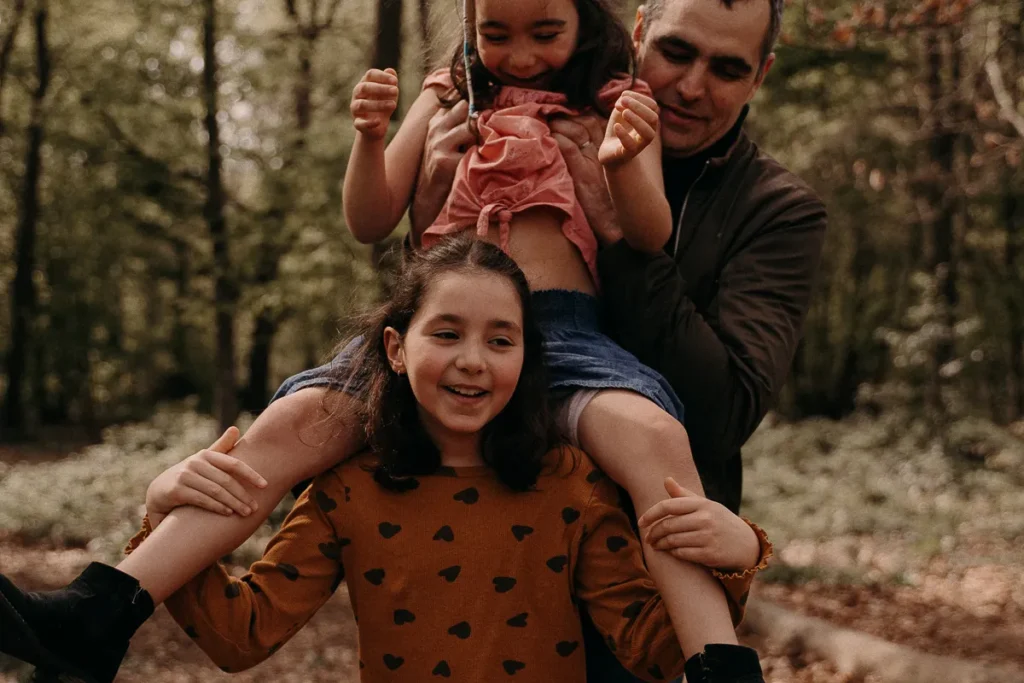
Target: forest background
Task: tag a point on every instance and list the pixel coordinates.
(172, 247)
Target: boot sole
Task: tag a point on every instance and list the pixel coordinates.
(20, 642)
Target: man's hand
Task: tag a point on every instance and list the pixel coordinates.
(696, 529)
(448, 139)
(579, 139)
(210, 479)
(632, 127)
(374, 100)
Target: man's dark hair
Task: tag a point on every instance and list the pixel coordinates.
(604, 53)
(654, 8)
(514, 443)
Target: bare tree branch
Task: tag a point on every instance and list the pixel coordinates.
(1007, 107)
(6, 48)
(332, 12)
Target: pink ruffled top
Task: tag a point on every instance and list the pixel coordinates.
(517, 166)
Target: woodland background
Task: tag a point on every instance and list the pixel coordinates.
(172, 247)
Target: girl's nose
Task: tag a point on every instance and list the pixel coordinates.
(470, 359)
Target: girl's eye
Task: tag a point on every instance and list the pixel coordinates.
(445, 334)
(502, 341)
(545, 37)
(495, 40)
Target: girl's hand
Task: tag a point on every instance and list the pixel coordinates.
(633, 125)
(699, 530)
(374, 100)
(209, 479)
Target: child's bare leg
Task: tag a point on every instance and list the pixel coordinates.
(293, 440)
(638, 444)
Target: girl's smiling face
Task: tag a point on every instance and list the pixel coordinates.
(462, 353)
(526, 42)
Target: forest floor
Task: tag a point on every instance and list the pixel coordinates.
(856, 546)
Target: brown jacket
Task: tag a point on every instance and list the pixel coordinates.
(719, 312)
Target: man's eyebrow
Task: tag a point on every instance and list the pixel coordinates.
(729, 61)
(737, 63)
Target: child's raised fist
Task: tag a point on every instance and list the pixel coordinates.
(374, 100)
(632, 126)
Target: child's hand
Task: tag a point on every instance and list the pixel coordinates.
(699, 530)
(374, 100)
(209, 479)
(633, 125)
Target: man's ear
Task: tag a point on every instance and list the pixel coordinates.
(393, 347)
(638, 27)
(769, 60)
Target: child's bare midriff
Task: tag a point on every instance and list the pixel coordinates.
(544, 253)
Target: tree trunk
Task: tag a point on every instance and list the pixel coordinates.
(6, 48)
(1013, 222)
(225, 295)
(387, 51)
(941, 153)
(23, 291)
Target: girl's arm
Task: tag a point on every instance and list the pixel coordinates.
(378, 183)
(621, 598)
(240, 622)
(631, 155)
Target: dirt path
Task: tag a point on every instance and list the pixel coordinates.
(934, 617)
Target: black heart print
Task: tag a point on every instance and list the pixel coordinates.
(557, 563)
(442, 669)
(388, 530)
(616, 543)
(290, 572)
(450, 573)
(460, 630)
(520, 531)
(404, 616)
(325, 502)
(511, 666)
(467, 496)
(566, 647)
(445, 533)
(375, 576)
(570, 515)
(519, 620)
(503, 584)
(392, 662)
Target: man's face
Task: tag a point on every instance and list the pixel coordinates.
(702, 60)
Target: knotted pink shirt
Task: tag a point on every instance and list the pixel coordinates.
(517, 166)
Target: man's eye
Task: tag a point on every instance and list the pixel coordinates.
(729, 74)
(678, 57)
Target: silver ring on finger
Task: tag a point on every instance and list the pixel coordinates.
(585, 145)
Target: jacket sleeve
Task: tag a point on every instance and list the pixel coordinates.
(727, 374)
(240, 622)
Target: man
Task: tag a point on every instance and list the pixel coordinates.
(719, 312)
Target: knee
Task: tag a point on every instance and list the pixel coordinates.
(665, 445)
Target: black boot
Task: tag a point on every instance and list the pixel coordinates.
(724, 664)
(81, 631)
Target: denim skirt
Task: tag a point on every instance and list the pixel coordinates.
(577, 353)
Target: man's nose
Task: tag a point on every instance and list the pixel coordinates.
(692, 85)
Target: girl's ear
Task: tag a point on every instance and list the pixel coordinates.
(393, 347)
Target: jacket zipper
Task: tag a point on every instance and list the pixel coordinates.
(682, 211)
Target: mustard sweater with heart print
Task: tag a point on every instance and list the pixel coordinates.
(459, 578)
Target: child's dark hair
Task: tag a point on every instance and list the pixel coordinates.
(514, 443)
(604, 53)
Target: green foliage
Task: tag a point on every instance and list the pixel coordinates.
(97, 497)
(822, 479)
